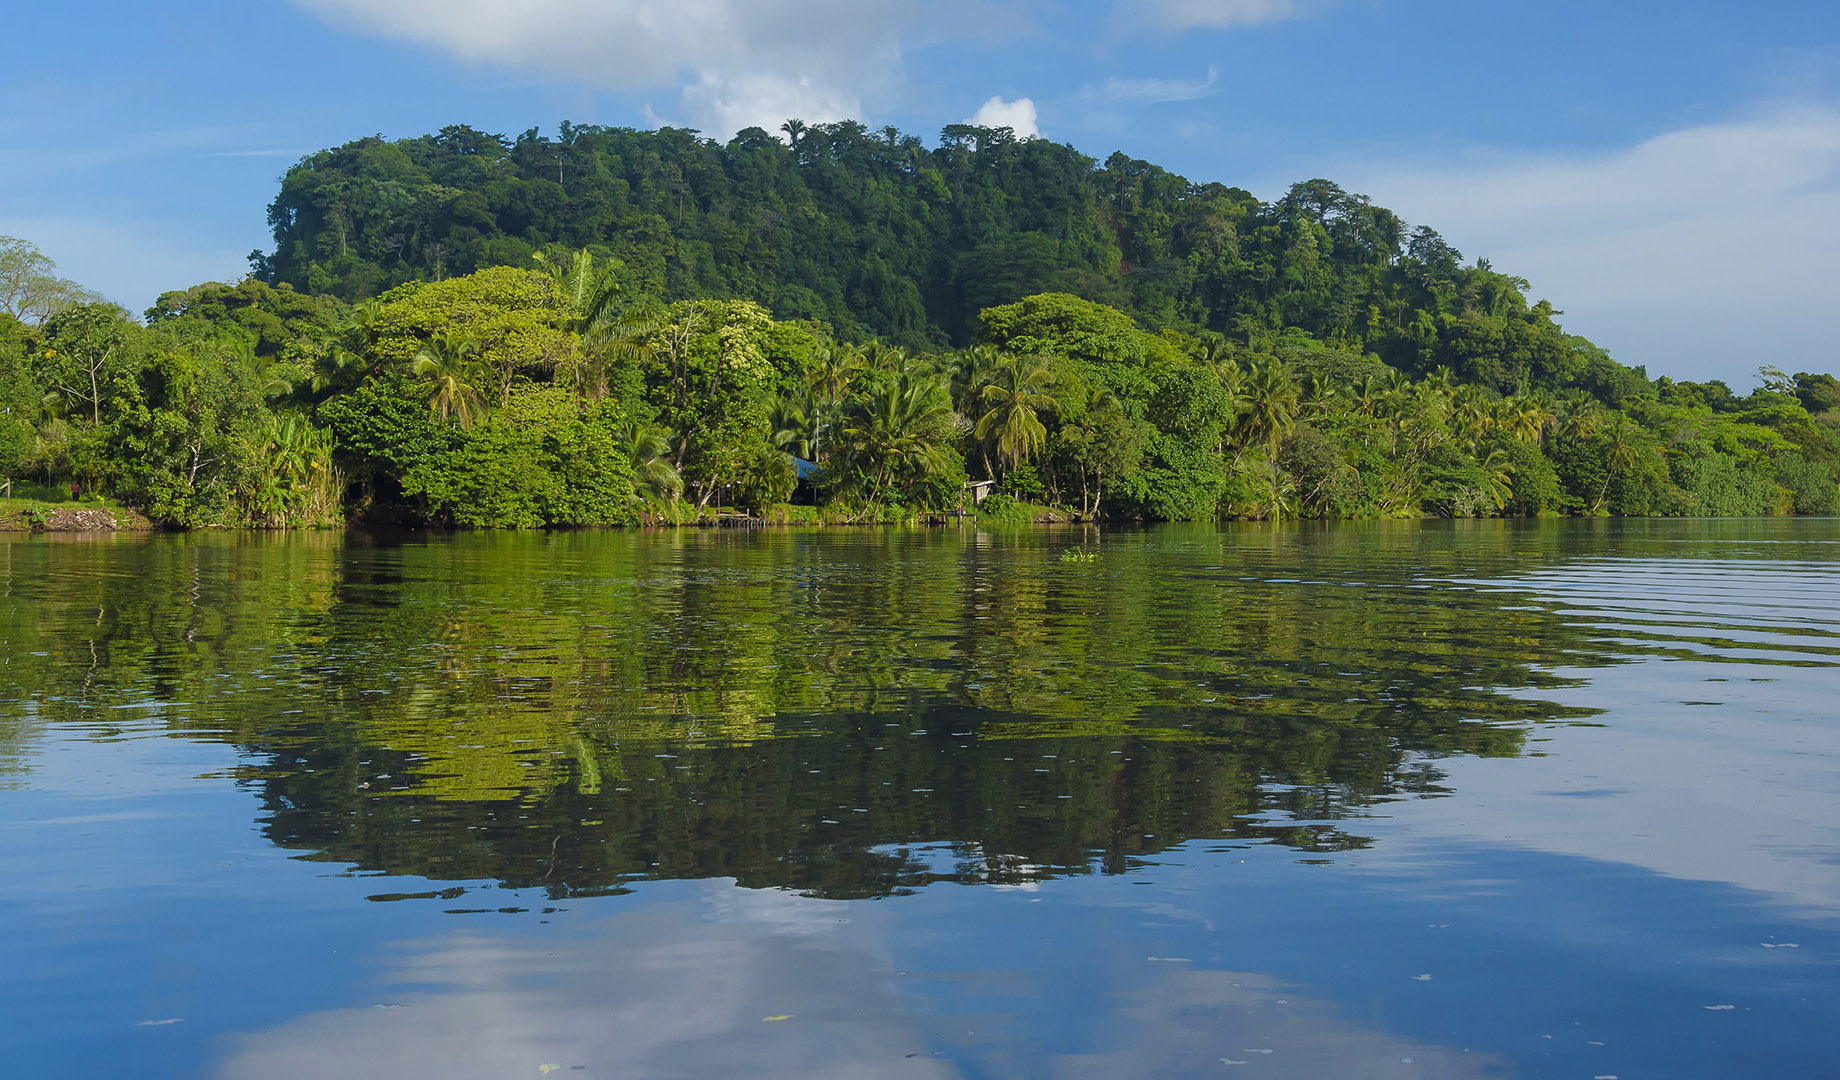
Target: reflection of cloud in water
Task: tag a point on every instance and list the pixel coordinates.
(687, 987)
(1184, 1022)
(669, 989)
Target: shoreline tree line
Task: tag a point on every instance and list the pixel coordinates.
(616, 326)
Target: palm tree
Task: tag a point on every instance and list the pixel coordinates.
(1320, 396)
(1497, 478)
(791, 422)
(1368, 394)
(1212, 351)
(589, 299)
(899, 433)
(833, 369)
(1523, 418)
(1474, 418)
(1279, 495)
(1014, 394)
(1618, 457)
(1271, 405)
(350, 359)
(1581, 418)
(585, 292)
(645, 449)
(447, 361)
(887, 359)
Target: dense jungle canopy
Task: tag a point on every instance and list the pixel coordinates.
(614, 325)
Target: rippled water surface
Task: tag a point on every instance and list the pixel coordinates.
(1368, 800)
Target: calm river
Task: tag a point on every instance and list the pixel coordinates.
(1543, 799)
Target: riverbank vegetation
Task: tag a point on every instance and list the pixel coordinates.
(616, 327)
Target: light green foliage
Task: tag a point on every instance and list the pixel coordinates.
(546, 458)
(30, 290)
(294, 480)
(708, 378)
(91, 352)
(511, 316)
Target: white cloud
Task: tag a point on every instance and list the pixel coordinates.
(1702, 253)
(728, 104)
(1150, 91)
(1018, 115)
(736, 62)
(1216, 14)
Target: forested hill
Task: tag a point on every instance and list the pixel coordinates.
(617, 326)
(880, 236)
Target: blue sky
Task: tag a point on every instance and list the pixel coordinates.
(1667, 173)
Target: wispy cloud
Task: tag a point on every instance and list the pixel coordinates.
(127, 146)
(1218, 14)
(1116, 91)
(277, 152)
(1704, 252)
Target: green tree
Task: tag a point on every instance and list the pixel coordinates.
(30, 289)
(898, 436)
(1014, 396)
(1271, 406)
(89, 351)
(447, 363)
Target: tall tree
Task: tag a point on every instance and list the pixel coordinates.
(1014, 396)
(449, 363)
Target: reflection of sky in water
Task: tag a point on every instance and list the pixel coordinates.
(693, 979)
(1655, 892)
(1718, 757)
(1539, 961)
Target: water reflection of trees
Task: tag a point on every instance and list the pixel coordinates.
(817, 710)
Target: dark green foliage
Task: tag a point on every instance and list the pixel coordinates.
(185, 434)
(877, 235)
(1817, 393)
(1327, 484)
(21, 400)
(384, 429)
(1811, 486)
(1534, 488)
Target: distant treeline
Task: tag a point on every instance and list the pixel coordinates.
(618, 325)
